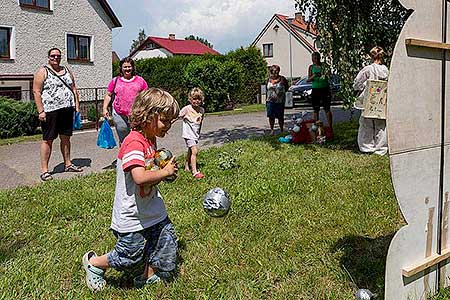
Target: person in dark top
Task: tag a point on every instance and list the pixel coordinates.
(320, 89)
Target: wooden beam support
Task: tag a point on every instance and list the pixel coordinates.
(426, 263)
(427, 44)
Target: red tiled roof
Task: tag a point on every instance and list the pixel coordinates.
(295, 25)
(301, 24)
(174, 46)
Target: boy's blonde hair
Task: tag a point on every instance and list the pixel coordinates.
(377, 53)
(152, 102)
(196, 93)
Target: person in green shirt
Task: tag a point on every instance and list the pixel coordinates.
(320, 89)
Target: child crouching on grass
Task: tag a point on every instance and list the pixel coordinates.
(192, 116)
(145, 235)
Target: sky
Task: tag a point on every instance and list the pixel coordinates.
(227, 24)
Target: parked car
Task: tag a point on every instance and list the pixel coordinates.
(301, 90)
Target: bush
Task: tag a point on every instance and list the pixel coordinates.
(17, 118)
(92, 114)
(166, 73)
(235, 76)
(219, 81)
(254, 72)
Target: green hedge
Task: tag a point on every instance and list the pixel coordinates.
(234, 77)
(219, 81)
(17, 118)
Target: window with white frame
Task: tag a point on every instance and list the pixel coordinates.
(7, 43)
(79, 47)
(40, 4)
(268, 50)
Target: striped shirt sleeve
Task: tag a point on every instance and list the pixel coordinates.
(133, 156)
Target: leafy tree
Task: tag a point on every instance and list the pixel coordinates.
(201, 40)
(141, 38)
(254, 72)
(348, 29)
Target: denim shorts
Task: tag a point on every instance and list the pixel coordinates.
(155, 246)
(275, 110)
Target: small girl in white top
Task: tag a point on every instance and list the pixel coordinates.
(192, 116)
(372, 136)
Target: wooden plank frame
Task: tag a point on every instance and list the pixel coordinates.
(426, 263)
(427, 44)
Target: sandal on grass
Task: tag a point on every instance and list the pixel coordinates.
(141, 281)
(94, 275)
(198, 175)
(46, 176)
(72, 168)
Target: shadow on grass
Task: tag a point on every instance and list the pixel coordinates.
(365, 259)
(345, 137)
(8, 249)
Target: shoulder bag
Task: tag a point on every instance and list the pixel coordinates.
(57, 76)
(113, 93)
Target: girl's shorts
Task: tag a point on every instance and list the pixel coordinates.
(155, 246)
(191, 143)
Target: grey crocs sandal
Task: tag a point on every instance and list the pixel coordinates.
(141, 281)
(94, 275)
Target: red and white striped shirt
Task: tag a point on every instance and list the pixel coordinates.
(136, 207)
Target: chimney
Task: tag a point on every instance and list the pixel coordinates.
(299, 18)
(172, 36)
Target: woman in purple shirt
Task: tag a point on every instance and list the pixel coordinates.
(125, 88)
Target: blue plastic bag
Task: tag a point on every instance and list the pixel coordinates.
(105, 138)
(77, 121)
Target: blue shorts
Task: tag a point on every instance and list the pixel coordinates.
(275, 110)
(156, 246)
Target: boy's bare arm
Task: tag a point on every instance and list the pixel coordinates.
(142, 176)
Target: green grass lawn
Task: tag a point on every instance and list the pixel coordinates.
(301, 216)
(20, 139)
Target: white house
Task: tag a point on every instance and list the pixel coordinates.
(167, 47)
(82, 29)
(289, 43)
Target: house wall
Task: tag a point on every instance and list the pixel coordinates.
(301, 56)
(161, 52)
(36, 31)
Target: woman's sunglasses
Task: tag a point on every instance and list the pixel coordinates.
(55, 56)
